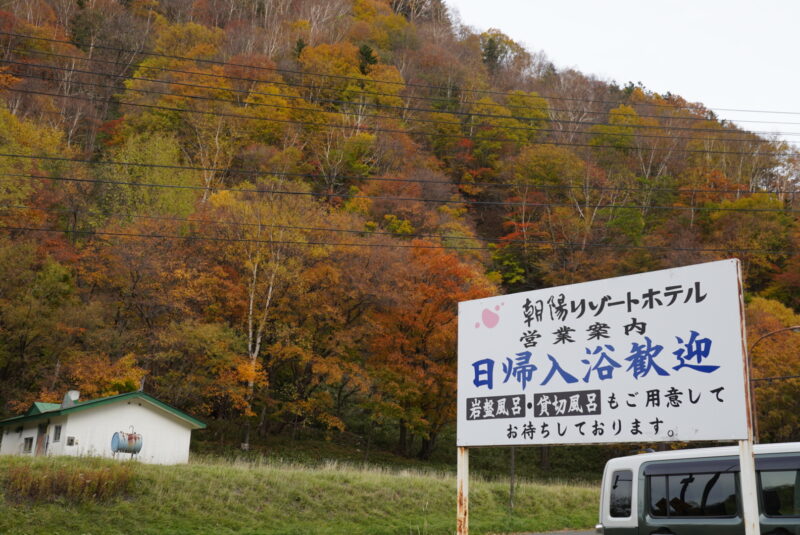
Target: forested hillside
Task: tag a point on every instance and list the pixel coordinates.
(265, 211)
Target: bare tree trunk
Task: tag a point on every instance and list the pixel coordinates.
(544, 458)
(402, 441)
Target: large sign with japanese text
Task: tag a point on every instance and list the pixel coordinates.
(650, 357)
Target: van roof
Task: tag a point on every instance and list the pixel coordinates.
(634, 461)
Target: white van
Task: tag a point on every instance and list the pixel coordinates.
(689, 492)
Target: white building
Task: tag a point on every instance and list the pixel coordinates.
(131, 425)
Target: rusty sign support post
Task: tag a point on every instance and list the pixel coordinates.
(747, 465)
(747, 475)
(462, 482)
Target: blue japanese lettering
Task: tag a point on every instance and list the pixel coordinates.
(483, 370)
(642, 359)
(695, 348)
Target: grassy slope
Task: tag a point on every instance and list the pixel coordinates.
(272, 498)
(584, 462)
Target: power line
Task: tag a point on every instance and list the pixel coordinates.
(398, 131)
(386, 106)
(354, 78)
(426, 246)
(382, 179)
(501, 242)
(406, 119)
(235, 240)
(522, 185)
(360, 80)
(531, 129)
(770, 379)
(376, 104)
(294, 108)
(255, 225)
(530, 204)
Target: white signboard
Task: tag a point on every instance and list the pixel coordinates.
(644, 358)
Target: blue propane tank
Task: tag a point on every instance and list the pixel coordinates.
(123, 442)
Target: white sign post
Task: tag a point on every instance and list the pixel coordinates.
(652, 357)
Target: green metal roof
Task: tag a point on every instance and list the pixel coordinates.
(40, 409)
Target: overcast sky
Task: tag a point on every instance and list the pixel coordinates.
(727, 54)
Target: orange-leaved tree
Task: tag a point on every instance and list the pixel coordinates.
(415, 340)
(775, 367)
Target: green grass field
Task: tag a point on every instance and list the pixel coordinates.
(270, 497)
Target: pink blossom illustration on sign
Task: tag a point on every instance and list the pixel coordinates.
(488, 318)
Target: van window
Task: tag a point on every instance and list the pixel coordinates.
(780, 492)
(620, 502)
(658, 495)
(687, 495)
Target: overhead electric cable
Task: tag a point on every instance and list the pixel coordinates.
(387, 106)
(532, 129)
(363, 231)
(251, 172)
(236, 240)
(354, 78)
(781, 378)
(389, 130)
(403, 246)
(531, 204)
(501, 242)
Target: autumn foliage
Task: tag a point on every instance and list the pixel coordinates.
(265, 213)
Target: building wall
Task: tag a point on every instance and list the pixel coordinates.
(56, 447)
(13, 440)
(165, 438)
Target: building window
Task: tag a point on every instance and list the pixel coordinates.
(27, 446)
(780, 492)
(693, 495)
(70, 441)
(57, 433)
(620, 506)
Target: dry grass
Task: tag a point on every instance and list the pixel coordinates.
(69, 483)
